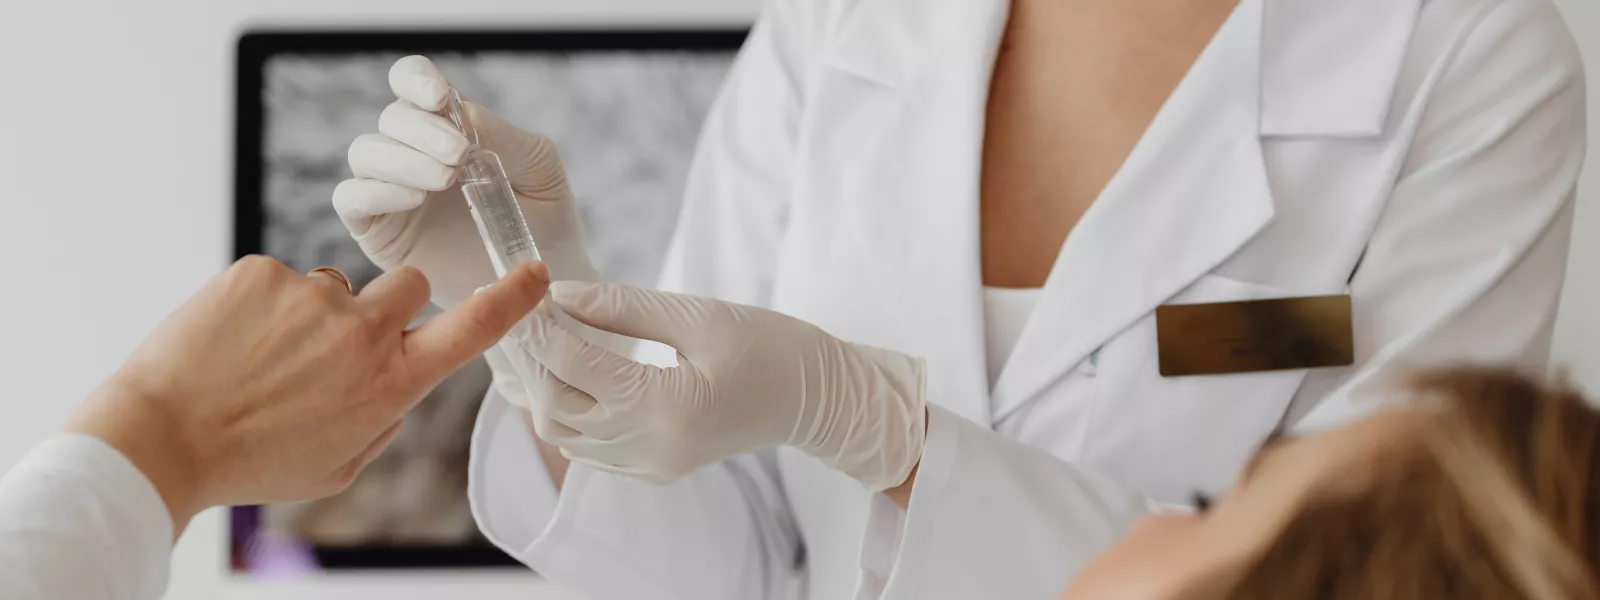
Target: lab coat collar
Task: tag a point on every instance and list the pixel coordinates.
(882, 41)
(1193, 191)
(1190, 195)
(1327, 68)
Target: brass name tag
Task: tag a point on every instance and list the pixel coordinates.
(1254, 335)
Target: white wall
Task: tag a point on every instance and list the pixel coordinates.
(115, 158)
(1577, 345)
(114, 204)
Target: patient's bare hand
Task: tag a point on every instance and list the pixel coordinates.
(270, 386)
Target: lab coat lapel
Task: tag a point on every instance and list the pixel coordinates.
(1192, 192)
(910, 83)
(1330, 68)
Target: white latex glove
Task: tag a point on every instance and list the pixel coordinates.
(746, 378)
(404, 208)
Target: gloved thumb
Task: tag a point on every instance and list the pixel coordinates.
(673, 319)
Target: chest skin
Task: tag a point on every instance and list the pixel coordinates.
(1075, 85)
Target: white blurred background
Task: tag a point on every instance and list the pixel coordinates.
(115, 204)
(115, 164)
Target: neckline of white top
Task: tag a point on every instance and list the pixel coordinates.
(1005, 315)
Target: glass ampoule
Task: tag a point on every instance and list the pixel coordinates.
(494, 206)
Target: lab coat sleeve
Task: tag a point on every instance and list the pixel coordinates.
(1466, 263)
(79, 521)
(991, 517)
(725, 531)
(717, 533)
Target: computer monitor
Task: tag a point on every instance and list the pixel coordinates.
(624, 107)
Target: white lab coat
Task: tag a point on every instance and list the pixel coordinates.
(1419, 155)
(78, 521)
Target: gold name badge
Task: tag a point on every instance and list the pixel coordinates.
(1254, 335)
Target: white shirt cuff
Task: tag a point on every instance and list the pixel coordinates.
(93, 524)
(886, 522)
(515, 504)
(508, 486)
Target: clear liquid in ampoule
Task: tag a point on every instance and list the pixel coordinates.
(499, 218)
(494, 206)
(495, 210)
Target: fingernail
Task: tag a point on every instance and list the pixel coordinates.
(540, 270)
(480, 290)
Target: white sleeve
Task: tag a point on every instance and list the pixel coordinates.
(725, 531)
(78, 521)
(1466, 264)
(990, 517)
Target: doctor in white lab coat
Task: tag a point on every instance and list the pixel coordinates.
(877, 168)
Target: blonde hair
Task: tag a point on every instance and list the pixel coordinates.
(1497, 500)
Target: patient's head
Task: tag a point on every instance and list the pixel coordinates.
(1485, 486)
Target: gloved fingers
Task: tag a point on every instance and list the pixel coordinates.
(531, 159)
(581, 448)
(359, 201)
(428, 133)
(553, 431)
(374, 156)
(598, 465)
(599, 455)
(417, 80)
(623, 457)
(672, 319)
(603, 375)
(537, 401)
(572, 407)
(539, 390)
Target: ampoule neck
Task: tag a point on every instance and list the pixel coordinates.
(457, 111)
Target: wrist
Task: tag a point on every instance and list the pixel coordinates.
(883, 445)
(137, 426)
(900, 495)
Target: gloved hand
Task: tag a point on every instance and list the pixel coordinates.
(746, 378)
(404, 208)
